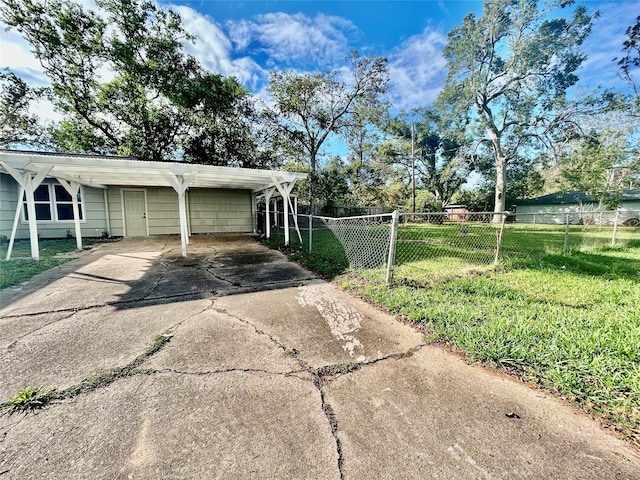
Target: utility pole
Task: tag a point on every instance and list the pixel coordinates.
(413, 167)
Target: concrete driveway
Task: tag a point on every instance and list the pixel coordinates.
(264, 372)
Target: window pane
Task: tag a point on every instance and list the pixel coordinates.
(41, 194)
(43, 211)
(61, 194)
(65, 211)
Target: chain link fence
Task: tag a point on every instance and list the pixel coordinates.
(444, 244)
(420, 247)
(569, 231)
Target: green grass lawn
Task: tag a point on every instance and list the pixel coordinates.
(567, 322)
(21, 267)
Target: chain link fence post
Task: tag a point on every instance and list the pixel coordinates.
(310, 233)
(566, 235)
(499, 236)
(393, 237)
(615, 228)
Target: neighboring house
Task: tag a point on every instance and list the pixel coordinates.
(116, 196)
(457, 213)
(555, 207)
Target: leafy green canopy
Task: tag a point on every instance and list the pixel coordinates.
(509, 71)
(17, 124)
(121, 77)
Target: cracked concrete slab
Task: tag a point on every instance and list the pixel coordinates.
(269, 373)
(323, 324)
(63, 353)
(213, 341)
(177, 426)
(431, 415)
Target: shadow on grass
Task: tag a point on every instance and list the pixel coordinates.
(607, 262)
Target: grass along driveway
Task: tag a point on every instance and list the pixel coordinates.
(569, 323)
(22, 267)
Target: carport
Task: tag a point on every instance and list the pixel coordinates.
(30, 169)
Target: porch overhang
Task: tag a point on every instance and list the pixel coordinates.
(30, 168)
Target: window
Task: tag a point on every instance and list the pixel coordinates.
(52, 202)
(64, 203)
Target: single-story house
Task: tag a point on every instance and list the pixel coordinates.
(53, 195)
(554, 208)
(456, 213)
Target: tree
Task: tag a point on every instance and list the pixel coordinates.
(631, 59)
(509, 71)
(424, 153)
(310, 107)
(121, 78)
(602, 165)
(17, 125)
(332, 185)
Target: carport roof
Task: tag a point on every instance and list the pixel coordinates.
(101, 171)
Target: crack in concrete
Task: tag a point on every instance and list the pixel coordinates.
(201, 295)
(288, 351)
(293, 373)
(14, 344)
(333, 424)
(161, 275)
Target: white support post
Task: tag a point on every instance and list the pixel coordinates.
(295, 217)
(16, 218)
(286, 220)
(31, 213)
(180, 184)
(73, 188)
(29, 184)
(268, 193)
(254, 213)
(106, 212)
(285, 190)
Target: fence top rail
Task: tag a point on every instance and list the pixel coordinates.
(352, 218)
(577, 212)
(456, 213)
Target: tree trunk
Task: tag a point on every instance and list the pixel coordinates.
(501, 176)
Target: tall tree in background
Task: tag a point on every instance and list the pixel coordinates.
(308, 108)
(17, 125)
(121, 78)
(438, 167)
(631, 58)
(603, 165)
(509, 71)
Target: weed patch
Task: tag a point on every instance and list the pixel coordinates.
(34, 398)
(28, 399)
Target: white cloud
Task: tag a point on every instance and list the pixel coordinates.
(214, 49)
(605, 43)
(417, 70)
(284, 38)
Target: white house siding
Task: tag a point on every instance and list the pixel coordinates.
(210, 211)
(93, 224)
(8, 198)
(220, 211)
(163, 216)
(557, 213)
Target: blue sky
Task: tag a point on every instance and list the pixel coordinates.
(248, 38)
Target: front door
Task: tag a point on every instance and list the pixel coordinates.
(135, 215)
